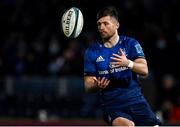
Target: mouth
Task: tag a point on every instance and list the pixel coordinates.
(103, 33)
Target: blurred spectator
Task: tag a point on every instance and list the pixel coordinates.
(170, 99)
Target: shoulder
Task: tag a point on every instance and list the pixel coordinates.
(129, 40)
(94, 46)
(92, 49)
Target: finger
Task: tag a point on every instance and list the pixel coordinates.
(116, 55)
(115, 63)
(94, 78)
(102, 80)
(99, 81)
(99, 78)
(116, 59)
(103, 86)
(122, 52)
(106, 83)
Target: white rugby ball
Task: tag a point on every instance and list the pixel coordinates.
(72, 22)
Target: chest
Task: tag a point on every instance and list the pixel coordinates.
(103, 57)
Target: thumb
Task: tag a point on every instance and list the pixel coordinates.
(94, 78)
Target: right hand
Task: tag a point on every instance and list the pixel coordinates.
(102, 82)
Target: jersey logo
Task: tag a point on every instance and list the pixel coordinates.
(138, 48)
(100, 59)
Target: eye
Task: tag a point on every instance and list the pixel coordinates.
(98, 23)
(105, 23)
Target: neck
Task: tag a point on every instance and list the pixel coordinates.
(111, 42)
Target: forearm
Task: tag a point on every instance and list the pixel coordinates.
(140, 67)
(90, 84)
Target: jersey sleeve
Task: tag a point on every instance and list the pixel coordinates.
(136, 50)
(89, 63)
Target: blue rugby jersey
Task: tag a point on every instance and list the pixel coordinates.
(124, 88)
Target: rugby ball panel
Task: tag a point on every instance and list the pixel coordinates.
(79, 23)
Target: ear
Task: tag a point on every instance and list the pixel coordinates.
(117, 25)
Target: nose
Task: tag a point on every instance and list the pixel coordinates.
(101, 27)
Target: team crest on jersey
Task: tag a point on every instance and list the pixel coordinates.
(100, 59)
(138, 48)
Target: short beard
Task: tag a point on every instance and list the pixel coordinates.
(105, 39)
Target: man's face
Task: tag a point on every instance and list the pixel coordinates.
(107, 26)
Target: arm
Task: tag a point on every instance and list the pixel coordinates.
(139, 65)
(90, 83)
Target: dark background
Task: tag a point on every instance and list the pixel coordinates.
(41, 71)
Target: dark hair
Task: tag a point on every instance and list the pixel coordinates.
(108, 11)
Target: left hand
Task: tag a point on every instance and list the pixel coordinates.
(102, 82)
(120, 60)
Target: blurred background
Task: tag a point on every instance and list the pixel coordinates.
(41, 71)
